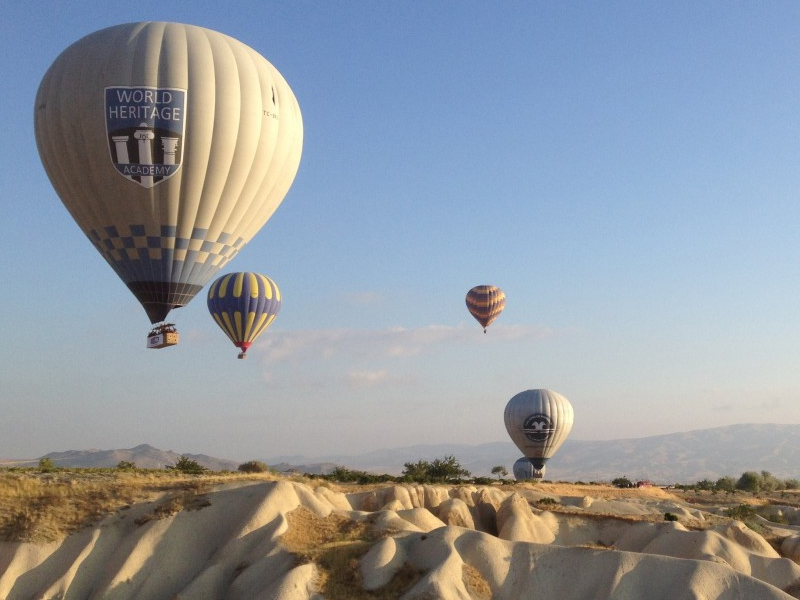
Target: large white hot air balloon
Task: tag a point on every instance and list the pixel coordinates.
(538, 422)
(171, 145)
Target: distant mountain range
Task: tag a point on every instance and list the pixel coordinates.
(674, 458)
(143, 456)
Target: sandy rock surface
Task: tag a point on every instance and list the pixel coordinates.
(280, 540)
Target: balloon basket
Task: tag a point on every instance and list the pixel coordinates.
(162, 336)
(242, 355)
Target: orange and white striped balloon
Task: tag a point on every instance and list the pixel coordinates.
(485, 303)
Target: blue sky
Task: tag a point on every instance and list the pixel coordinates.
(627, 172)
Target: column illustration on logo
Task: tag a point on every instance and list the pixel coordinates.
(145, 127)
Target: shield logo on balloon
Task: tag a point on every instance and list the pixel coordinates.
(145, 128)
(538, 428)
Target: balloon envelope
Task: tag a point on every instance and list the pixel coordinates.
(171, 145)
(244, 305)
(485, 303)
(524, 469)
(538, 422)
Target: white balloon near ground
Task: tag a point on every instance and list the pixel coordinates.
(538, 422)
(524, 470)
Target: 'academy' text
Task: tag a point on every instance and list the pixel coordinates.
(152, 170)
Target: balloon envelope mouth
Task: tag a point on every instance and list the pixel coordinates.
(538, 463)
(160, 297)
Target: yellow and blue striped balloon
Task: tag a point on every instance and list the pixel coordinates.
(485, 303)
(244, 306)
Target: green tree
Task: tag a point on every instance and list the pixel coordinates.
(750, 481)
(447, 469)
(417, 471)
(438, 470)
(622, 482)
(770, 483)
(500, 471)
(725, 484)
(344, 474)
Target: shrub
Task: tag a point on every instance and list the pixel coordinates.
(125, 465)
(187, 465)
(46, 465)
(484, 481)
(743, 512)
(668, 516)
(253, 466)
(705, 484)
(747, 515)
(345, 475)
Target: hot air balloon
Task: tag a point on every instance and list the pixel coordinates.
(538, 422)
(244, 305)
(171, 145)
(524, 470)
(485, 303)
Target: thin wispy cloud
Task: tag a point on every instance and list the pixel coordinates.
(751, 401)
(365, 298)
(394, 342)
(362, 379)
(361, 359)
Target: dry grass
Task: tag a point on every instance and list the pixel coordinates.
(44, 507)
(476, 584)
(699, 498)
(706, 498)
(335, 545)
(708, 522)
(608, 492)
(189, 498)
